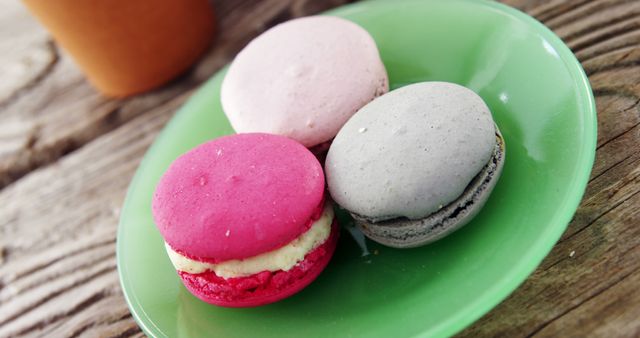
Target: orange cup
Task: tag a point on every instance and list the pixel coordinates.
(126, 47)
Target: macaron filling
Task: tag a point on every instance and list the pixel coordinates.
(266, 286)
(283, 258)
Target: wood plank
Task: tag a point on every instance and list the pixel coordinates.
(57, 270)
(622, 313)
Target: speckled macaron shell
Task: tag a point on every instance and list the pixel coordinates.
(407, 233)
(238, 196)
(410, 152)
(303, 79)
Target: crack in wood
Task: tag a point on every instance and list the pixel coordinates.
(616, 47)
(617, 43)
(608, 210)
(80, 330)
(103, 318)
(562, 8)
(34, 158)
(282, 15)
(585, 61)
(59, 274)
(78, 308)
(623, 92)
(55, 294)
(121, 318)
(625, 55)
(610, 167)
(627, 18)
(51, 260)
(618, 136)
(46, 71)
(565, 258)
(582, 12)
(631, 106)
(573, 307)
(128, 333)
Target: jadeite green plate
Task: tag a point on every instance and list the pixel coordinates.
(542, 102)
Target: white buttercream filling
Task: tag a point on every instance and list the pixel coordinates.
(283, 258)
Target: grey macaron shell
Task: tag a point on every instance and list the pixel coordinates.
(417, 163)
(410, 152)
(406, 233)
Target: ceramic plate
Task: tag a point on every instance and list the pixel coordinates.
(539, 97)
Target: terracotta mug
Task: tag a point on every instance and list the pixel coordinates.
(128, 46)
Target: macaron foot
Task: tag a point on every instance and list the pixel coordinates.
(265, 287)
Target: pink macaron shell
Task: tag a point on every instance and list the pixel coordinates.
(264, 287)
(303, 79)
(238, 196)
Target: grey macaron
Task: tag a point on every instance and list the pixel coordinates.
(416, 164)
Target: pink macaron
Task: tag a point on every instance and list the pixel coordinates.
(303, 79)
(245, 219)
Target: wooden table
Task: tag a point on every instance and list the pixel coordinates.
(67, 155)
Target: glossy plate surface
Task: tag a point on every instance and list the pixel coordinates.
(542, 102)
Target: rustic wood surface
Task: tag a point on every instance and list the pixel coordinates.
(67, 155)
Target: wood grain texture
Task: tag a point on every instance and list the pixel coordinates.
(68, 154)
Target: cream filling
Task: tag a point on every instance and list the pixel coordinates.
(283, 258)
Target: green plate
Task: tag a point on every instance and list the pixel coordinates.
(540, 98)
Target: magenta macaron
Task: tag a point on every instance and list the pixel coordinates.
(245, 219)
